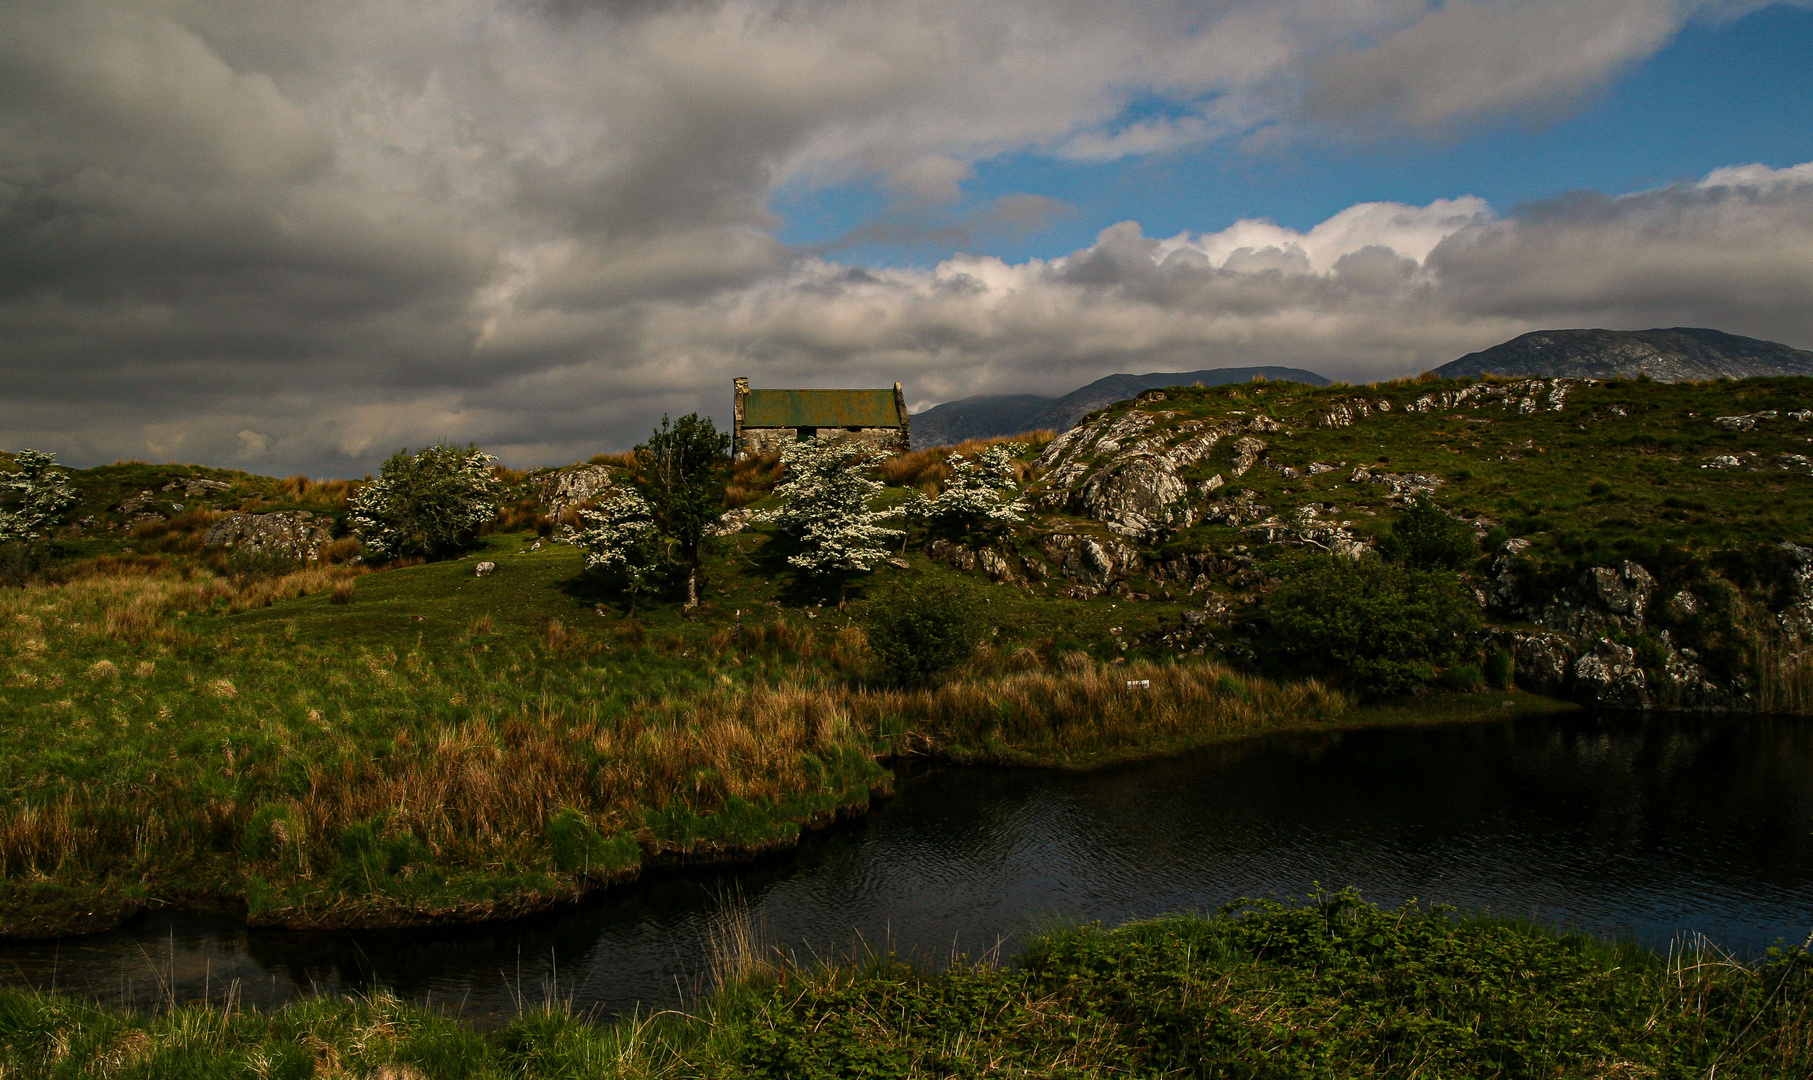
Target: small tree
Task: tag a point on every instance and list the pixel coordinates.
(622, 541)
(430, 503)
(680, 471)
(38, 492)
(918, 632)
(825, 508)
(1427, 537)
(982, 490)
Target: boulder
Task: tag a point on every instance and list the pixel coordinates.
(731, 522)
(484, 569)
(1544, 661)
(1247, 451)
(996, 566)
(1625, 590)
(1609, 676)
(290, 534)
(1088, 560)
(1140, 498)
(571, 487)
(195, 488)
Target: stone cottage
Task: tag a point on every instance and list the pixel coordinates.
(766, 420)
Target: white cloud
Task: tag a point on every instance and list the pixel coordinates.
(346, 226)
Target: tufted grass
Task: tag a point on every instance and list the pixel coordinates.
(1330, 987)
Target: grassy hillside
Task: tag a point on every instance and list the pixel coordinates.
(1622, 467)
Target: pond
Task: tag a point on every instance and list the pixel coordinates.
(1652, 827)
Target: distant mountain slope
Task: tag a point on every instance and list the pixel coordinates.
(988, 415)
(1676, 354)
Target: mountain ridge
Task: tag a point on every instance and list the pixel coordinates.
(988, 415)
(1667, 354)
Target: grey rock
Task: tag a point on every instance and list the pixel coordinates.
(957, 555)
(1543, 661)
(291, 534)
(195, 488)
(996, 566)
(1625, 590)
(484, 569)
(1609, 676)
(1305, 528)
(1088, 560)
(899, 563)
(571, 487)
(1683, 606)
(1747, 422)
(1140, 498)
(1247, 451)
(1723, 461)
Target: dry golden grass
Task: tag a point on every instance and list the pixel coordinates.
(927, 469)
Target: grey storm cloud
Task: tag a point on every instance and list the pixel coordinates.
(297, 235)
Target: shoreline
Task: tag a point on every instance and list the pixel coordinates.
(1301, 985)
(1430, 710)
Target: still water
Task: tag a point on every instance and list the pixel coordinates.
(1650, 827)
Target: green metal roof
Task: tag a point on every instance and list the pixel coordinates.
(820, 408)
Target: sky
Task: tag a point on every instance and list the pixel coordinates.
(297, 236)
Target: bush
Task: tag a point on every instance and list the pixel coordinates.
(1428, 538)
(1501, 669)
(920, 631)
(428, 504)
(1381, 628)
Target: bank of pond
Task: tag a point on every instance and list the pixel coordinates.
(1328, 987)
(1645, 879)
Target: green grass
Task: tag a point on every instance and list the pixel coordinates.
(1332, 988)
(1616, 473)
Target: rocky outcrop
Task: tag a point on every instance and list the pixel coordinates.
(195, 488)
(289, 534)
(572, 487)
(1092, 562)
(1123, 474)
(1399, 485)
(1308, 529)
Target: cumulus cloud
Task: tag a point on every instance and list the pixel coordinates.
(300, 234)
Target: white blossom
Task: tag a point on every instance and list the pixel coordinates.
(982, 489)
(40, 491)
(621, 539)
(825, 506)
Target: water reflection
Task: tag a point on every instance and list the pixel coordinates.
(1645, 826)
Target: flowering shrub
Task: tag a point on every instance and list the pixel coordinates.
(825, 507)
(621, 539)
(430, 503)
(982, 489)
(39, 492)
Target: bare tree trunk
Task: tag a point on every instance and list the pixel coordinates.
(692, 588)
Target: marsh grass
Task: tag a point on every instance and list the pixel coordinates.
(1328, 987)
